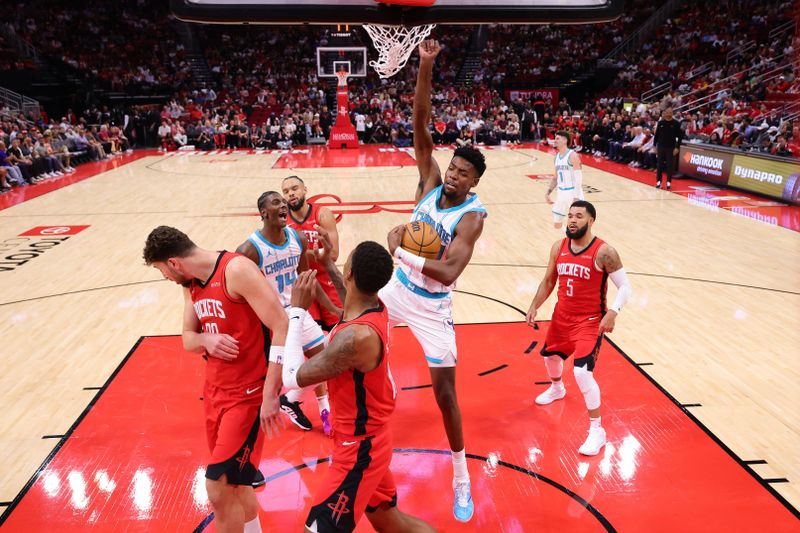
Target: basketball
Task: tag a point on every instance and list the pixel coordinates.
(421, 239)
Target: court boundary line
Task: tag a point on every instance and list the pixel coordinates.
(763, 482)
(50, 456)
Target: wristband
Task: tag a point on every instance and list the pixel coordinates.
(276, 354)
(415, 262)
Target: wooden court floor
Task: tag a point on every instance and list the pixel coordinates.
(716, 309)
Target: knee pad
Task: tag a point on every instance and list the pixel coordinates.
(588, 386)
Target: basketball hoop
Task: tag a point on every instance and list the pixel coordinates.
(394, 45)
(342, 75)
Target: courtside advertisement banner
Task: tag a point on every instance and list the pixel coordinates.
(705, 164)
(549, 96)
(776, 179)
(770, 178)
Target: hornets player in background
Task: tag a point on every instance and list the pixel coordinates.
(419, 293)
(568, 179)
(280, 253)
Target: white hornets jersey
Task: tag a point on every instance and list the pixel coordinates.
(566, 178)
(444, 221)
(279, 263)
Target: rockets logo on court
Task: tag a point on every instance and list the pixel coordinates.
(340, 507)
(244, 459)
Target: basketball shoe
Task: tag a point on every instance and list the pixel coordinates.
(594, 442)
(555, 391)
(463, 508)
(325, 416)
(295, 414)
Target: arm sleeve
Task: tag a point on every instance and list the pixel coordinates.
(624, 289)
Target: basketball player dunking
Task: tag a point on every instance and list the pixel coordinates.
(303, 216)
(568, 179)
(280, 253)
(226, 303)
(356, 366)
(582, 264)
(420, 291)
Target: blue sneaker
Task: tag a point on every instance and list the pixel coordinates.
(463, 508)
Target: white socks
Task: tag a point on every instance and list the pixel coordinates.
(253, 526)
(294, 395)
(460, 472)
(322, 403)
(594, 423)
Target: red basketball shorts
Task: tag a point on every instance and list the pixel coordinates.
(577, 336)
(233, 432)
(358, 480)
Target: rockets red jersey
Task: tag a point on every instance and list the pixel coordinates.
(362, 402)
(307, 226)
(581, 286)
(219, 313)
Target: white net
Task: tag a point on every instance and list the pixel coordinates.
(394, 45)
(342, 75)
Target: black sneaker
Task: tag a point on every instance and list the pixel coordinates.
(669, 185)
(296, 416)
(658, 185)
(259, 479)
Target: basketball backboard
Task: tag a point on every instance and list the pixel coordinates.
(372, 12)
(332, 59)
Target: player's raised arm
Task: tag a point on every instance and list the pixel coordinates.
(430, 176)
(547, 284)
(328, 222)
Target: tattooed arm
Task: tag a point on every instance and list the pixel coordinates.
(355, 347)
(608, 260)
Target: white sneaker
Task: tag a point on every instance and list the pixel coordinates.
(554, 392)
(594, 442)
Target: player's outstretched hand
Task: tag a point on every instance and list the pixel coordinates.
(530, 318)
(429, 49)
(304, 289)
(395, 237)
(608, 322)
(325, 244)
(221, 345)
(270, 416)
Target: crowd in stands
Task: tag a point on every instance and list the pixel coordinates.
(543, 55)
(34, 152)
(259, 99)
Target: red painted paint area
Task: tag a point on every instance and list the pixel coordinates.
(136, 461)
(702, 193)
(82, 172)
(369, 155)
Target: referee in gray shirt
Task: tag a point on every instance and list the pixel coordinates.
(667, 142)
